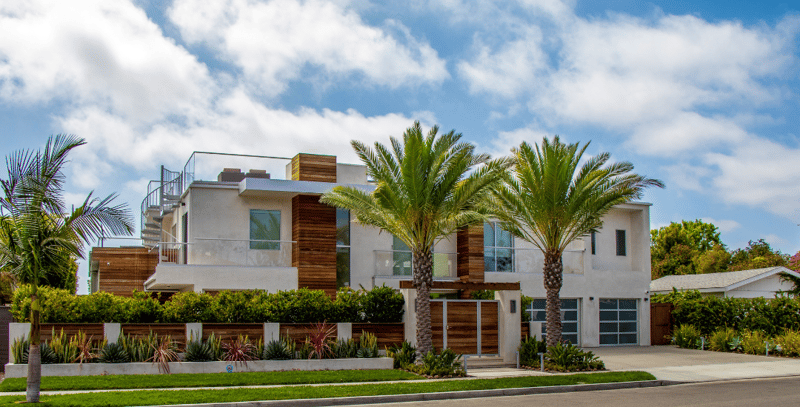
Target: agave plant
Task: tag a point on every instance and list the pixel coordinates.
(202, 351)
(114, 353)
(277, 350)
(344, 348)
(239, 350)
(84, 346)
(368, 346)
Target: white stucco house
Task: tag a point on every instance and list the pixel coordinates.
(763, 282)
(217, 227)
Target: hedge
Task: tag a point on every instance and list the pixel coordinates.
(381, 304)
(709, 314)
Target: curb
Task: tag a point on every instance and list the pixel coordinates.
(453, 395)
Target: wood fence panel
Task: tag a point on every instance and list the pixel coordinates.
(490, 343)
(91, 330)
(388, 334)
(229, 332)
(299, 332)
(660, 323)
(177, 332)
(526, 329)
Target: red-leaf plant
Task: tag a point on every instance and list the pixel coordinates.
(320, 336)
(239, 350)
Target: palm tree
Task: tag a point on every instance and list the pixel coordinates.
(547, 203)
(39, 232)
(425, 191)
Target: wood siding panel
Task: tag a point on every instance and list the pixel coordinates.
(123, 269)
(437, 326)
(299, 332)
(177, 332)
(462, 322)
(469, 264)
(388, 334)
(489, 328)
(312, 167)
(230, 332)
(314, 251)
(91, 330)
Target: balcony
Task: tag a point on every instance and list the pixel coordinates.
(532, 261)
(228, 252)
(396, 263)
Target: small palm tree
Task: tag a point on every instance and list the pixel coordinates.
(425, 191)
(38, 232)
(550, 202)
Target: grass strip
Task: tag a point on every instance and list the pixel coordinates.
(153, 397)
(208, 379)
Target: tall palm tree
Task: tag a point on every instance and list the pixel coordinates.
(427, 187)
(40, 232)
(550, 202)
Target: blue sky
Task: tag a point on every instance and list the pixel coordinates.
(702, 96)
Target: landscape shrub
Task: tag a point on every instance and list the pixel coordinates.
(529, 350)
(724, 340)
(445, 364)
(403, 355)
(756, 343)
(381, 304)
(570, 358)
(789, 341)
(686, 336)
(709, 314)
(367, 345)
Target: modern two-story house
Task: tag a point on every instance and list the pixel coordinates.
(223, 225)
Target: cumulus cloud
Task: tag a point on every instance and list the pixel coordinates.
(274, 42)
(724, 225)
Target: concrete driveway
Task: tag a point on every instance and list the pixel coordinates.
(688, 365)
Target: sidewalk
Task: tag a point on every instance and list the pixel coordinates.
(691, 365)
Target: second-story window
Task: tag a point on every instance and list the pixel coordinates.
(621, 248)
(594, 242)
(401, 256)
(265, 230)
(342, 248)
(497, 248)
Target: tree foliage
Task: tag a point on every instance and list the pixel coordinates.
(756, 255)
(682, 247)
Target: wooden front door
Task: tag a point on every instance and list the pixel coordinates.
(660, 323)
(467, 327)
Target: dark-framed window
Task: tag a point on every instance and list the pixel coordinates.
(265, 229)
(621, 247)
(594, 242)
(342, 248)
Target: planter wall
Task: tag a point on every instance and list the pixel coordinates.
(98, 369)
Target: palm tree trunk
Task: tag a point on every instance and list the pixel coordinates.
(552, 283)
(423, 280)
(34, 354)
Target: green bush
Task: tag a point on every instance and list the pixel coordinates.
(723, 340)
(383, 304)
(789, 341)
(686, 336)
(570, 358)
(277, 350)
(142, 308)
(191, 307)
(529, 350)
(237, 306)
(348, 306)
(755, 343)
(114, 353)
(445, 364)
(404, 356)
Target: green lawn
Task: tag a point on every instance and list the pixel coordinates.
(150, 397)
(209, 379)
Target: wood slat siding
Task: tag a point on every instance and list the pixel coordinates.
(387, 334)
(489, 328)
(123, 269)
(469, 244)
(299, 332)
(229, 332)
(314, 251)
(312, 167)
(462, 322)
(176, 331)
(437, 324)
(91, 330)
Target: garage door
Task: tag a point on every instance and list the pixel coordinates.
(570, 318)
(618, 322)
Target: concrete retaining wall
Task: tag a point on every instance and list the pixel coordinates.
(97, 369)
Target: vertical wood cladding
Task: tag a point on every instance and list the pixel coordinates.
(123, 269)
(469, 242)
(312, 167)
(314, 250)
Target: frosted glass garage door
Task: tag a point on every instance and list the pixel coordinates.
(618, 322)
(570, 319)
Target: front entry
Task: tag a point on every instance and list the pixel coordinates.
(468, 327)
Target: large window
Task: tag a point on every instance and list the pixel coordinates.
(618, 322)
(570, 321)
(265, 230)
(401, 256)
(342, 248)
(497, 248)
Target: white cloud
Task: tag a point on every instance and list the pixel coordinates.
(279, 41)
(773, 239)
(119, 60)
(724, 225)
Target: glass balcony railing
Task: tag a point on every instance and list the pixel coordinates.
(532, 261)
(398, 263)
(228, 252)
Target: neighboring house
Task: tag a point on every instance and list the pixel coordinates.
(764, 282)
(249, 230)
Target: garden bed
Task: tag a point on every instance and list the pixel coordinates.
(98, 369)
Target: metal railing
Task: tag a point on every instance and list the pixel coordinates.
(228, 252)
(398, 263)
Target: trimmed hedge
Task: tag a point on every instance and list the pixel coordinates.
(381, 304)
(709, 314)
